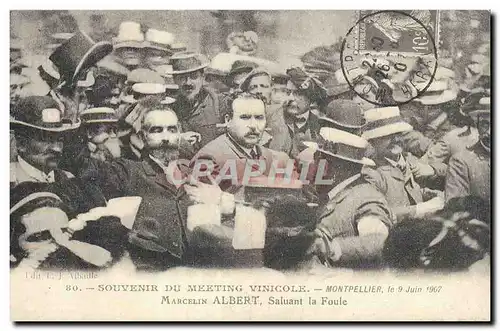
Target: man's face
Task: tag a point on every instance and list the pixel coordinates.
(390, 146)
(129, 56)
(248, 122)
(42, 150)
(239, 77)
(155, 57)
(189, 84)
(104, 136)
(39, 225)
(484, 130)
(160, 132)
(261, 85)
(279, 93)
(296, 103)
(243, 43)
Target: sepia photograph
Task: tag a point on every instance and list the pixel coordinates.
(250, 165)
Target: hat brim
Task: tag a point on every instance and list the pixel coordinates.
(129, 44)
(109, 120)
(444, 97)
(159, 48)
(62, 128)
(347, 126)
(95, 54)
(387, 130)
(364, 161)
(180, 72)
(129, 99)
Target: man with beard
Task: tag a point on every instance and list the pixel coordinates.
(196, 106)
(296, 122)
(393, 176)
(469, 171)
(158, 239)
(355, 218)
(245, 118)
(100, 125)
(39, 132)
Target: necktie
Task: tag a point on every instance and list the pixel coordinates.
(253, 154)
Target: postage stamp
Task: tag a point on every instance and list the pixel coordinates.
(389, 58)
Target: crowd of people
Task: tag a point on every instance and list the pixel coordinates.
(138, 148)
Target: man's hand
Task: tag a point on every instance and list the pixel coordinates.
(191, 137)
(423, 170)
(430, 207)
(203, 193)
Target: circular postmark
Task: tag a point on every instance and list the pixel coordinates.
(390, 57)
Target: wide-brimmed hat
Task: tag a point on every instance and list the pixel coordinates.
(440, 90)
(98, 115)
(129, 36)
(344, 115)
(342, 145)
(159, 40)
(185, 62)
(78, 54)
(41, 113)
(178, 47)
(381, 122)
(307, 84)
(143, 75)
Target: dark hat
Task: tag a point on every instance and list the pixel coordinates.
(280, 79)
(256, 72)
(98, 115)
(307, 84)
(185, 62)
(344, 115)
(475, 104)
(78, 54)
(42, 113)
(29, 192)
(240, 66)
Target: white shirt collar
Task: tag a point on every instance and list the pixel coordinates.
(35, 173)
(342, 185)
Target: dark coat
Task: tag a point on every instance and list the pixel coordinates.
(158, 237)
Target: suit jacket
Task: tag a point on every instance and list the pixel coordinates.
(400, 189)
(440, 151)
(202, 117)
(469, 173)
(18, 175)
(158, 238)
(340, 217)
(285, 140)
(223, 150)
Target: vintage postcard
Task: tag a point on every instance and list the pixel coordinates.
(216, 165)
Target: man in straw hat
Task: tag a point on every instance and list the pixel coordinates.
(355, 217)
(469, 171)
(197, 106)
(156, 51)
(128, 45)
(393, 176)
(463, 136)
(39, 131)
(100, 125)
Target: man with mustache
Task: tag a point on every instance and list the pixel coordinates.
(196, 106)
(128, 45)
(469, 170)
(39, 132)
(296, 122)
(384, 130)
(245, 118)
(158, 239)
